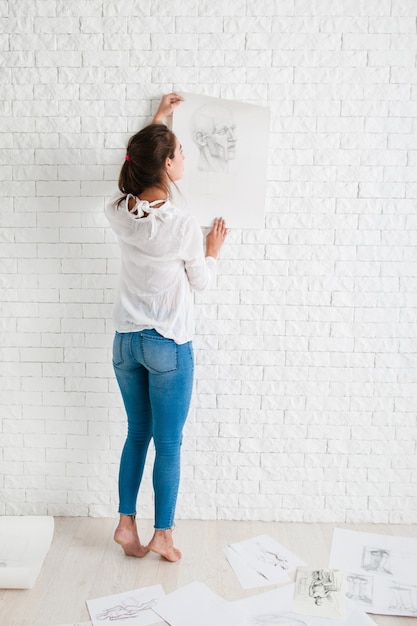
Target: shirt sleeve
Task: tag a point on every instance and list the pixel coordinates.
(199, 268)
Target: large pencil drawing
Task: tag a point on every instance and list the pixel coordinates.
(225, 144)
(214, 133)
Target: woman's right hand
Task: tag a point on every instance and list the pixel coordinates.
(168, 103)
(216, 237)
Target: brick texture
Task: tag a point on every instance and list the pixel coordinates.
(305, 403)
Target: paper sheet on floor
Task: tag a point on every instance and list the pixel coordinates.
(381, 570)
(76, 624)
(274, 608)
(261, 561)
(198, 604)
(320, 593)
(130, 608)
(24, 544)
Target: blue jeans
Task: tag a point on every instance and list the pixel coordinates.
(155, 376)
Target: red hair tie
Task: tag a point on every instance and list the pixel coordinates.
(127, 157)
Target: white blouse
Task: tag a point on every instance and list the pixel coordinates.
(162, 261)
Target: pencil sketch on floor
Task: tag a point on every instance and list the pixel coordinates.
(132, 608)
(320, 592)
(261, 560)
(381, 570)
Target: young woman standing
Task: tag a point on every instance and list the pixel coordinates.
(162, 262)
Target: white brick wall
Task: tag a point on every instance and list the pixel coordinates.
(305, 404)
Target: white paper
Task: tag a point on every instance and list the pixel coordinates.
(197, 605)
(76, 624)
(24, 544)
(273, 608)
(320, 593)
(381, 570)
(247, 576)
(225, 144)
(131, 608)
(267, 558)
(276, 601)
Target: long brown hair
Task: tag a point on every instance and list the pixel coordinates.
(146, 155)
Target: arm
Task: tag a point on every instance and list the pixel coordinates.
(199, 268)
(168, 103)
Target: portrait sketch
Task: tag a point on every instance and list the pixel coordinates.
(214, 133)
(225, 144)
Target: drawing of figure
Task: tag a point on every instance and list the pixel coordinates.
(276, 620)
(376, 560)
(214, 132)
(321, 586)
(126, 609)
(272, 558)
(359, 588)
(404, 598)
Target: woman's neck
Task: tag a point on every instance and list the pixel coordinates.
(152, 194)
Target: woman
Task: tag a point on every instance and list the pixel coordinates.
(162, 261)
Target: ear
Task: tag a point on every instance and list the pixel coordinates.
(200, 138)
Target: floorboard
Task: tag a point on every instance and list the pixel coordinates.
(84, 562)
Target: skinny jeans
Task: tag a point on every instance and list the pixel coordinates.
(155, 377)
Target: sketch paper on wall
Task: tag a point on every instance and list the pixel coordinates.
(320, 593)
(273, 608)
(225, 144)
(24, 544)
(198, 604)
(269, 561)
(381, 570)
(131, 608)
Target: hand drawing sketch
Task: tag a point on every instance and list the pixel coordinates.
(404, 599)
(322, 585)
(247, 576)
(225, 144)
(128, 608)
(320, 592)
(267, 558)
(382, 574)
(376, 560)
(272, 557)
(132, 608)
(214, 133)
(359, 588)
(370, 553)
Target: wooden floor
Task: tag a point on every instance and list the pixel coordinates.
(84, 563)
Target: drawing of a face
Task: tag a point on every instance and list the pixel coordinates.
(214, 132)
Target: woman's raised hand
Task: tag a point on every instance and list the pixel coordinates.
(168, 103)
(216, 237)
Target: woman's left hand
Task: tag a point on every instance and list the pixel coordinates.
(168, 103)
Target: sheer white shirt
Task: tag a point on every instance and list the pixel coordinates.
(162, 262)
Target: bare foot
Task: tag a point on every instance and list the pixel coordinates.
(162, 544)
(126, 535)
